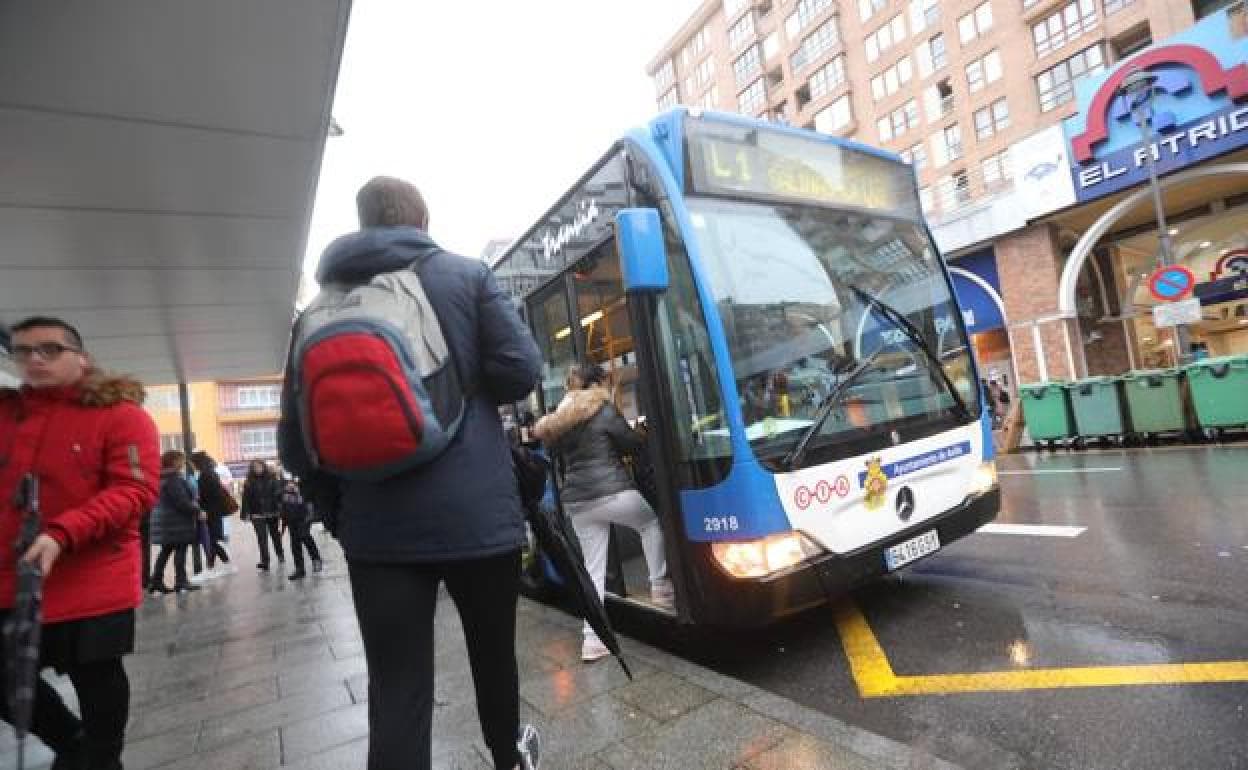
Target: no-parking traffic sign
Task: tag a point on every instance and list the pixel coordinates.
(1171, 283)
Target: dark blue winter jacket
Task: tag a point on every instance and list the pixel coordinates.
(464, 504)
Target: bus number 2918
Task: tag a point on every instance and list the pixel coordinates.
(721, 524)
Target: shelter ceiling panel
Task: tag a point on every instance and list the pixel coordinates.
(93, 288)
(238, 65)
(93, 163)
(57, 238)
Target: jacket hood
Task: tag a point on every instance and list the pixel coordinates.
(357, 257)
(98, 389)
(577, 407)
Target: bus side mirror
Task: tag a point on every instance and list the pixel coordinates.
(643, 256)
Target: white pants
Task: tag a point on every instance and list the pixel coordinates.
(592, 521)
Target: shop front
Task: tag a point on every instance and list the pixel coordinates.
(1165, 129)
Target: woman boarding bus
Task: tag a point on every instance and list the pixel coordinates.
(771, 303)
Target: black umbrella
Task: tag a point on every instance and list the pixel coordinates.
(23, 626)
(557, 540)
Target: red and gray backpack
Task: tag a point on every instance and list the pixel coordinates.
(376, 390)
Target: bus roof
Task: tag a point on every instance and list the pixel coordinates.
(668, 131)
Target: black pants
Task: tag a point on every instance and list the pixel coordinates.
(179, 564)
(267, 529)
(104, 700)
(301, 538)
(218, 552)
(395, 605)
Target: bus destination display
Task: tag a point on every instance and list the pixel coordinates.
(727, 160)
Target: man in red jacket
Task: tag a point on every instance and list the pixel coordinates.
(95, 452)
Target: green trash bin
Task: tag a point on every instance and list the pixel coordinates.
(1046, 410)
(1219, 388)
(1097, 404)
(1155, 401)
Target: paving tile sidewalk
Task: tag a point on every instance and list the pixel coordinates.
(257, 672)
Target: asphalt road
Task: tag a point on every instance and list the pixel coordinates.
(1159, 576)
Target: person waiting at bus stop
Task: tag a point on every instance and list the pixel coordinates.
(83, 435)
(591, 438)
(456, 519)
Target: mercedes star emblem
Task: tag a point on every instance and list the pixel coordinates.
(905, 503)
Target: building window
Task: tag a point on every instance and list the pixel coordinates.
(834, 117)
(701, 75)
(1132, 42)
(816, 45)
(939, 54)
(996, 170)
(165, 399)
(827, 78)
(886, 37)
(710, 99)
(899, 121)
(259, 397)
(892, 79)
(915, 155)
(944, 97)
(669, 99)
(742, 32)
(258, 442)
(747, 65)
(1114, 6)
(992, 119)
(733, 7)
(1056, 85)
(983, 71)
(170, 442)
(805, 12)
(961, 187)
(695, 47)
(924, 13)
(975, 23)
(869, 8)
(1064, 26)
(664, 78)
(952, 137)
(752, 99)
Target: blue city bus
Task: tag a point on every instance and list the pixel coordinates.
(772, 307)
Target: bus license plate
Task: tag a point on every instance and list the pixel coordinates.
(915, 548)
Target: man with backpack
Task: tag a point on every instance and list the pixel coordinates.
(389, 408)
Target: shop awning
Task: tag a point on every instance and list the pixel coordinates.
(158, 163)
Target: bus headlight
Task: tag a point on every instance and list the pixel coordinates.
(984, 480)
(759, 558)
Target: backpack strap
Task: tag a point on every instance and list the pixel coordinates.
(468, 386)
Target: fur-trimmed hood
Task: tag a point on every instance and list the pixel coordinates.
(577, 407)
(97, 389)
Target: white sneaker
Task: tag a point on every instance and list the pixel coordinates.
(200, 578)
(530, 748)
(593, 649)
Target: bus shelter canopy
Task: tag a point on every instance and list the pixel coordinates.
(158, 164)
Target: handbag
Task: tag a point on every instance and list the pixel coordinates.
(231, 505)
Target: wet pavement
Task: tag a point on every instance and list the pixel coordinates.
(256, 672)
(986, 654)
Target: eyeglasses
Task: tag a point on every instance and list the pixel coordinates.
(48, 351)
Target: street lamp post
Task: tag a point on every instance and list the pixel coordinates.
(1137, 87)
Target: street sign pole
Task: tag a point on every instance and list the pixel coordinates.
(1138, 87)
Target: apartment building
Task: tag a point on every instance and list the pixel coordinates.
(234, 421)
(983, 98)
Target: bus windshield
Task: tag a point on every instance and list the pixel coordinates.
(806, 295)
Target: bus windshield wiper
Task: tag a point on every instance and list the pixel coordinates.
(907, 327)
(829, 402)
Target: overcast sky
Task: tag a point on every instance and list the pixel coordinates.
(491, 109)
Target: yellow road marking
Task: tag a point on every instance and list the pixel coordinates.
(876, 679)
